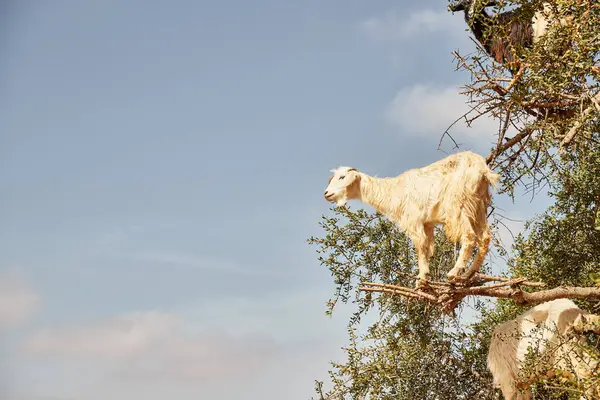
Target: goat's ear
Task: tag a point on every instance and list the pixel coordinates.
(539, 316)
(356, 175)
(579, 324)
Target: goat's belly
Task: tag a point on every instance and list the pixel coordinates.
(436, 220)
(438, 216)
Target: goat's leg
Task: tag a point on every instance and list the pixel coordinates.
(483, 245)
(429, 231)
(523, 394)
(467, 243)
(424, 242)
(516, 391)
(512, 391)
(509, 392)
(423, 269)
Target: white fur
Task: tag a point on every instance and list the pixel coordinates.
(541, 20)
(539, 330)
(453, 192)
(499, 50)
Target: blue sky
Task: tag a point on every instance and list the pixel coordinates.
(162, 164)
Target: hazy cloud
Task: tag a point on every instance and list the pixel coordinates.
(18, 300)
(154, 345)
(394, 27)
(198, 262)
(224, 348)
(425, 109)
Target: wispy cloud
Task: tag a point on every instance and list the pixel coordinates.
(428, 110)
(418, 36)
(393, 27)
(193, 261)
(153, 345)
(18, 300)
(227, 349)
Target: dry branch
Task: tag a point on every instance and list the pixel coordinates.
(543, 117)
(509, 143)
(448, 295)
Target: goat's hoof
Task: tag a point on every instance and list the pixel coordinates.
(421, 283)
(467, 278)
(453, 276)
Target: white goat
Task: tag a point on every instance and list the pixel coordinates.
(453, 191)
(512, 32)
(541, 20)
(542, 330)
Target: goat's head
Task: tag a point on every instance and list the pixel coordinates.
(344, 185)
(468, 6)
(587, 322)
(460, 5)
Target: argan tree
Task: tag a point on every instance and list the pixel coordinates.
(420, 344)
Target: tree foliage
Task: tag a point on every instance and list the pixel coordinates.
(549, 135)
(401, 348)
(563, 245)
(409, 338)
(551, 103)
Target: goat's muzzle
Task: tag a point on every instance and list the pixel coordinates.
(328, 196)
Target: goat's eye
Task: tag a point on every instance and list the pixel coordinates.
(342, 177)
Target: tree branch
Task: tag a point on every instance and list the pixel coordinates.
(509, 143)
(448, 295)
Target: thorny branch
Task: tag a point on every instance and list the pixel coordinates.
(551, 102)
(448, 295)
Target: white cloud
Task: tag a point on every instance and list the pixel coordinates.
(152, 355)
(18, 301)
(425, 109)
(397, 28)
(153, 345)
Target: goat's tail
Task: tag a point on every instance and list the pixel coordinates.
(476, 172)
(468, 195)
(492, 177)
(478, 178)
